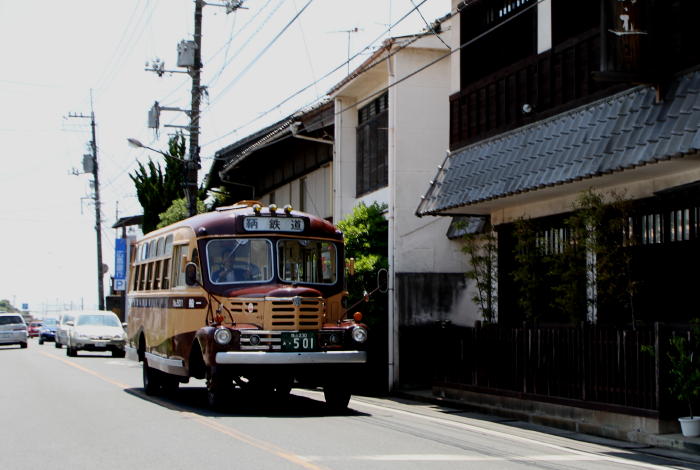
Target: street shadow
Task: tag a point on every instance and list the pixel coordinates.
(243, 404)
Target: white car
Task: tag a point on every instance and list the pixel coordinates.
(13, 330)
(96, 330)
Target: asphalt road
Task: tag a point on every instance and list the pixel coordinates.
(90, 412)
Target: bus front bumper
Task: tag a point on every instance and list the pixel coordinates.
(277, 358)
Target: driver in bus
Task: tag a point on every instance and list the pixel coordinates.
(226, 273)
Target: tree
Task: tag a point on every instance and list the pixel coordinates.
(177, 211)
(482, 250)
(6, 306)
(366, 241)
(156, 190)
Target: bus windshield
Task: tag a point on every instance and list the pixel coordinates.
(234, 260)
(308, 261)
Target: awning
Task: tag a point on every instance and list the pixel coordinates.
(618, 133)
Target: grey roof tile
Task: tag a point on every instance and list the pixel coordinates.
(620, 132)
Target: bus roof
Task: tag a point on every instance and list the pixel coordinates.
(225, 221)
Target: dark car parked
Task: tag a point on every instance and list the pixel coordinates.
(47, 332)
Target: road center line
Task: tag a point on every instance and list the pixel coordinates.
(208, 422)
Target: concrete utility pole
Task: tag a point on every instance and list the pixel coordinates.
(98, 217)
(192, 164)
(194, 68)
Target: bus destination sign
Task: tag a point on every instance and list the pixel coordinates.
(273, 224)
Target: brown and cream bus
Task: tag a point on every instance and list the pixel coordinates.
(246, 296)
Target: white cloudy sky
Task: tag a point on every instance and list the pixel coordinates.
(55, 52)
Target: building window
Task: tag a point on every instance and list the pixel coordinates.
(499, 32)
(372, 146)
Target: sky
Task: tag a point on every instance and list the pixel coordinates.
(74, 57)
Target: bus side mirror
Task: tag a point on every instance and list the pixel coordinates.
(191, 274)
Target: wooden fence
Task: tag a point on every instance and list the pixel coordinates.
(591, 366)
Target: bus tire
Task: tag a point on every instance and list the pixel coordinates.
(71, 352)
(219, 387)
(337, 396)
(118, 353)
(57, 345)
(152, 382)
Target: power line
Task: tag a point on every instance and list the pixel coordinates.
(126, 50)
(435, 61)
(227, 60)
(302, 90)
(257, 57)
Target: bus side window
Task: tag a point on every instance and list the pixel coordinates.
(149, 275)
(135, 278)
(142, 276)
(195, 260)
(165, 283)
(156, 274)
(179, 258)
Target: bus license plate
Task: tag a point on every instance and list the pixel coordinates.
(298, 341)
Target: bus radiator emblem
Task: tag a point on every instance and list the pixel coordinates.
(297, 301)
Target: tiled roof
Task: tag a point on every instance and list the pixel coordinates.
(620, 132)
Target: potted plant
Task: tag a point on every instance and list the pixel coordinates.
(684, 373)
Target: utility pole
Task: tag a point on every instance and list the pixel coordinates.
(192, 164)
(98, 216)
(194, 68)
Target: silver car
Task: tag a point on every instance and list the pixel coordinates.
(96, 330)
(13, 330)
(63, 328)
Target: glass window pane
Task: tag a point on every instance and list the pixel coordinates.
(235, 260)
(307, 261)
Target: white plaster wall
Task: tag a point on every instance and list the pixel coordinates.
(452, 38)
(319, 194)
(318, 197)
(640, 183)
(419, 124)
(344, 157)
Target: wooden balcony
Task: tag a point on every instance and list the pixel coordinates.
(547, 83)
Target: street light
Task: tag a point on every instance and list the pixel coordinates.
(191, 201)
(136, 143)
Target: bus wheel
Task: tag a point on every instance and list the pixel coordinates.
(57, 345)
(151, 379)
(169, 384)
(337, 396)
(219, 388)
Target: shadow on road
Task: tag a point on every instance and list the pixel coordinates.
(194, 400)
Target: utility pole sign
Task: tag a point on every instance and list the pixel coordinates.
(121, 261)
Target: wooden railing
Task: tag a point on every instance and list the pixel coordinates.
(542, 83)
(590, 366)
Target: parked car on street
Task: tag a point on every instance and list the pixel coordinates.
(47, 332)
(96, 331)
(63, 328)
(33, 329)
(13, 330)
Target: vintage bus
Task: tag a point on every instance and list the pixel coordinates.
(246, 297)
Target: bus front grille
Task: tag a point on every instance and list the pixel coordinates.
(296, 313)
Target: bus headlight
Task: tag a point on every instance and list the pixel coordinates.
(359, 334)
(223, 336)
